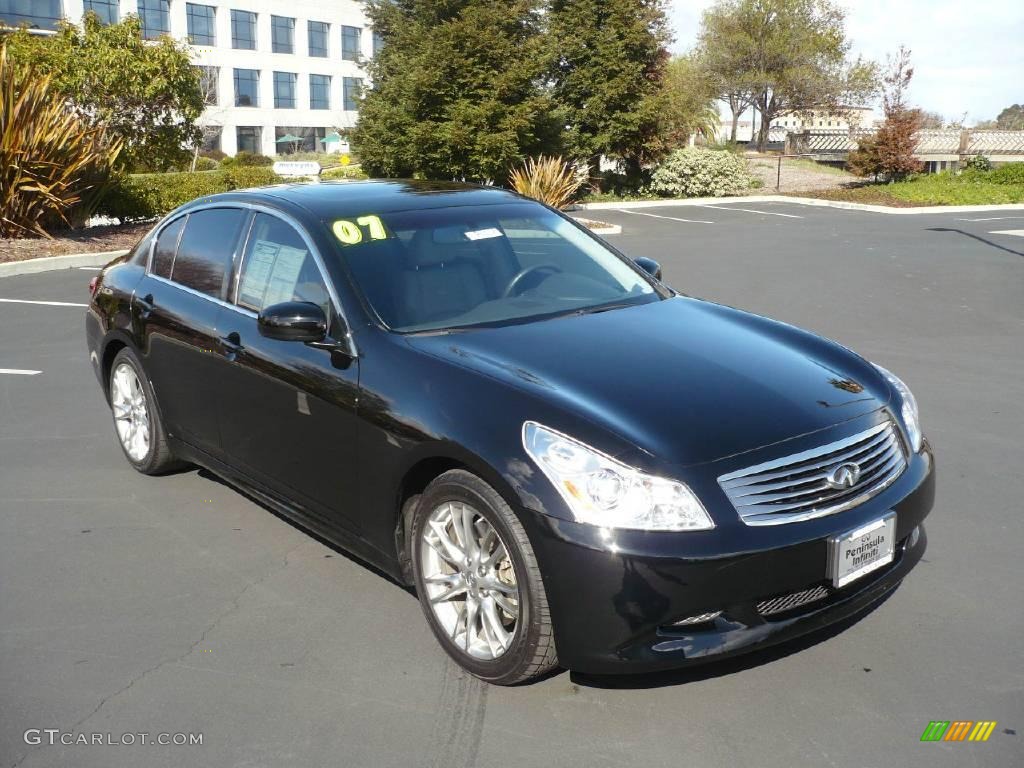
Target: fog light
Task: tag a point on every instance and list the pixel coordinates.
(913, 537)
(699, 619)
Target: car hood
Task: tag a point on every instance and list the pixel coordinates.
(685, 380)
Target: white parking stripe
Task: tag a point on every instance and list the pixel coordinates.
(18, 372)
(670, 218)
(90, 269)
(994, 218)
(1014, 232)
(751, 210)
(47, 303)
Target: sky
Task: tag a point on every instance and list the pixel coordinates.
(968, 55)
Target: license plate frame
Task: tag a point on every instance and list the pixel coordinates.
(845, 565)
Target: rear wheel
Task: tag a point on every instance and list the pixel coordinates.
(136, 421)
(478, 581)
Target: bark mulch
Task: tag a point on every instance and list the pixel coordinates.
(111, 237)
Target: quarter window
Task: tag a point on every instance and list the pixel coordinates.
(282, 34)
(243, 30)
(278, 267)
(319, 33)
(350, 37)
(106, 10)
(166, 245)
(201, 25)
(207, 246)
(284, 90)
(155, 18)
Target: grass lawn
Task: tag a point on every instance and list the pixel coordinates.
(933, 189)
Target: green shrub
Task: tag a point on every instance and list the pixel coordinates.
(213, 154)
(1008, 173)
(148, 195)
(246, 159)
(206, 164)
(343, 172)
(978, 163)
(699, 172)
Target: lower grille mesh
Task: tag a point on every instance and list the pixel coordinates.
(791, 601)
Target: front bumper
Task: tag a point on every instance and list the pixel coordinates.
(615, 594)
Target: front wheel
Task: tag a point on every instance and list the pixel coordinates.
(479, 583)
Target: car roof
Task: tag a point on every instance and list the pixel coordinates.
(339, 199)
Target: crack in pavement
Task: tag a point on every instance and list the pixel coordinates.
(233, 606)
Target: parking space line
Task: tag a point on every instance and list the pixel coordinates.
(90, 269)
(19, 372)
(751, 210)
(47, 303)
(670, 218)
(994, 218)
(1014, 232)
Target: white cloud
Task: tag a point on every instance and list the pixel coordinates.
(967, 56)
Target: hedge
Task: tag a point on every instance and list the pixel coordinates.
(148, 195)
(699, 172)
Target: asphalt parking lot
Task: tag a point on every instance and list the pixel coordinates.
(178, 605)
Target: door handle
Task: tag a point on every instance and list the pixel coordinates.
(146, 306)
(232, 344)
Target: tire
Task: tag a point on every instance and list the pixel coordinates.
(502, 648)
(132, 403)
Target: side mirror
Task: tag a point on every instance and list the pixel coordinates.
(293, 321)
(650, 266)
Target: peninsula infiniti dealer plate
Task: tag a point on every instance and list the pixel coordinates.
(862, 551)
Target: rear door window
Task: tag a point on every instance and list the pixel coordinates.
(203, 262)
(278, 267)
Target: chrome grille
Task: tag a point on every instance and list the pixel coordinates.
(791, 601)
(796, 487)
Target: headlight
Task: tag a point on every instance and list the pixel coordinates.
(602, 491)
(911, 419)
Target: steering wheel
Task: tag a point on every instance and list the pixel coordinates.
(516, 281)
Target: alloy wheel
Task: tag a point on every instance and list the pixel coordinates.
(131, 414)
(470, 580)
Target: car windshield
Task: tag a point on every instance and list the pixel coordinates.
(444, 268)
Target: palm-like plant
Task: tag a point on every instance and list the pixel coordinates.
(551, 180)
(53, 167)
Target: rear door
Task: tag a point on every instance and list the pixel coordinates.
(288, 409)
(177, 307)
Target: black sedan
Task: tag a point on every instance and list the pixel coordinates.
(572, 463)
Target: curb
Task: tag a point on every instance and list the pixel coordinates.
(700, 201)
(50, 263)
(604, 229)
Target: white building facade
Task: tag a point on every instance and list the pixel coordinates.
(272, 68)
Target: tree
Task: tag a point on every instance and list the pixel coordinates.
(689, 103)
(932, 120)
(792, 55)
(457, 90)
(722, 50)
(145, 92)
(609, 67)
(1011, 118)
(890, 152)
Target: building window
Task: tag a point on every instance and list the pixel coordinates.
(249, 139)
(319, 92)
(155, 18)
(208, 84)
(201, 25)
(350, 87)
(319, 33)
(378, 42)
(211, 138)
(35, 14)
(105, 10)
(282, 34)
(284, 90)
(243, 30)
(305, 139)
(247, 87)
(350, 37)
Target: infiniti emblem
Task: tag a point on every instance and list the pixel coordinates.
(843, 476)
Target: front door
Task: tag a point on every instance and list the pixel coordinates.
(287, 409)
